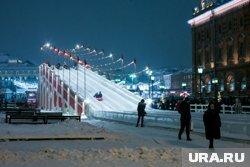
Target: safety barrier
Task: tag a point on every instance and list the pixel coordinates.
(225, 109)
(233, 126)
(56, 95)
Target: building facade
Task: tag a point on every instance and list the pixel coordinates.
(17, 77)
(15, 69)
(221, 48)
(179, 83)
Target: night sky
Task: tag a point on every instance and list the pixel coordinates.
(154, 32)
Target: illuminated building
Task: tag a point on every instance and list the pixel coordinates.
(16, 75)
(221, 47)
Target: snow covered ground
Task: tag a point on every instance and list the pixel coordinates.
(123, 145)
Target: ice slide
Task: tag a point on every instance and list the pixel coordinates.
(115, 98)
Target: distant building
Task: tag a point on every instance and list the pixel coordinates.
(167, 81)
(221, 47)
(182, 82)
(13, 68)
(16, 75)
(179, 82)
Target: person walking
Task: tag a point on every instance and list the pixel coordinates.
(237, 106)
(212, 123)
(185, 118)
(141, 112)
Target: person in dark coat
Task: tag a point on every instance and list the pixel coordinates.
(185, 118)
(141, 112)
(212, 122)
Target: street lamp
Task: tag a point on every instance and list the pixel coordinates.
(214, 82)
(77, 46)
(152, 81)
(200, 71)
(77, 67)
(149, 73)
(47, 45)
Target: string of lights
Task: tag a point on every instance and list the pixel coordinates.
(113, 69)
(73, 56)
(125, 74)
(107, 64)
(66, 52)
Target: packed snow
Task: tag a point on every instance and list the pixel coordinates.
(93, 143)
(23, 145)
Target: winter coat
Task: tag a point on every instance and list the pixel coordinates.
(141, 109)
(185, 112)
(212, 124)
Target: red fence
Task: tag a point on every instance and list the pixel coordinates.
(54, 85)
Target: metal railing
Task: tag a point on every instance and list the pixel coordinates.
(225, 109)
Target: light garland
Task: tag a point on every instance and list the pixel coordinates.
(73, 56)
(122, 75)
(107, 64)
(114, 69)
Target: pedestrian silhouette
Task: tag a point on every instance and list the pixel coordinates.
(185, 118)
(212, 122)
(141, 112)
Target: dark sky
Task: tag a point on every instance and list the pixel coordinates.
(152, 31)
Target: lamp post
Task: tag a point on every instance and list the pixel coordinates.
(70, 58)
(77, 66)
(200, 71)
(85, 83)
(152, 81)
(214, 82)
(69, 66)
(149, 73)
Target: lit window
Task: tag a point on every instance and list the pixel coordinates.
(232, 86)
(209, 86)
(222, 88)
(243, 84)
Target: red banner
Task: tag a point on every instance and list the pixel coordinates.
(59, 89)
(79, 110)
(65, 92)
(60, 102)
(72, 99)
(72, 102)
(55, 98)
(79, 107)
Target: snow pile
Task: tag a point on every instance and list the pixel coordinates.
(143, 156)
(66, 129)
(114, 150)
